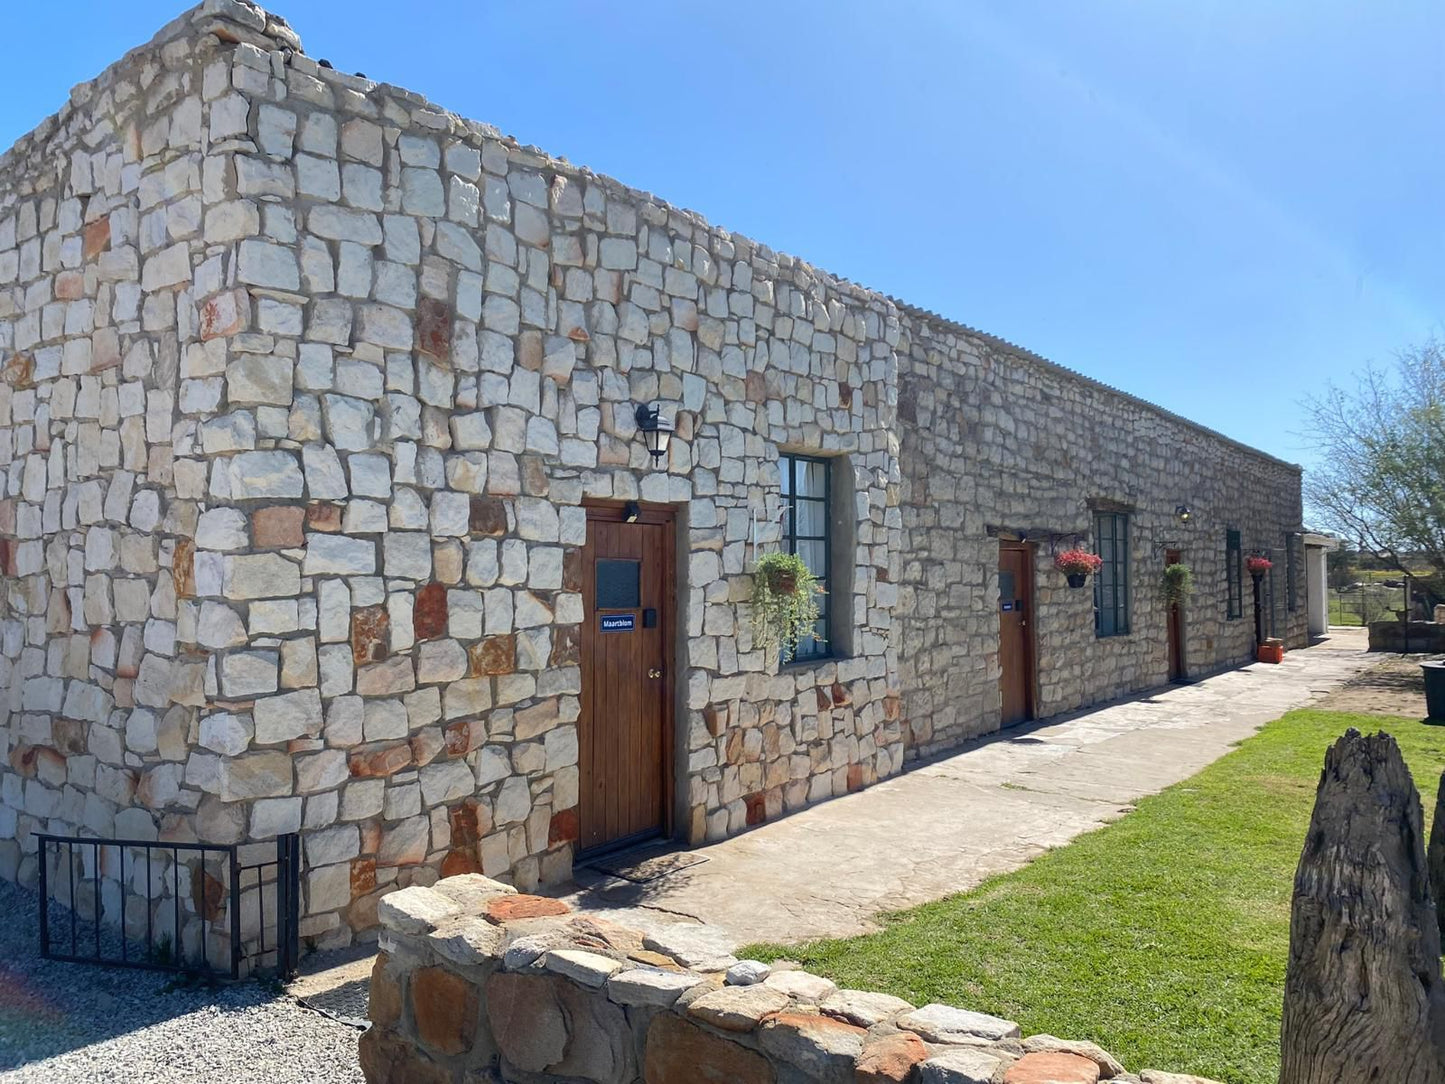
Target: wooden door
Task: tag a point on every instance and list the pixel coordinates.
(1015, 635)
(624, 731)
(1176, 628)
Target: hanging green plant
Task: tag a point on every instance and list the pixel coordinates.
(1176, 584)
(785, 604)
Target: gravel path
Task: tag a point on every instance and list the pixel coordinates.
(63, 1023)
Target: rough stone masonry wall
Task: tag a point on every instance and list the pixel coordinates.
(998, 441)
(305, 383)
(474, 983)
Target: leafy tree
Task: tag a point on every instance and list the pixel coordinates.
(1381, 478)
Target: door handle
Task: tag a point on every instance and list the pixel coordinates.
(654, 672)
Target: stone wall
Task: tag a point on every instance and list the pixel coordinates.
(304, 386)
(474, 983)
(999, 443)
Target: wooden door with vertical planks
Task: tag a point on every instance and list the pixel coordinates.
(624, 729)
(1015, 637)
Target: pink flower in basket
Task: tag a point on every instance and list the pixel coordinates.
(1258, 566)
(1078, 562)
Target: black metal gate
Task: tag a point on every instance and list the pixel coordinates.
(187, 918)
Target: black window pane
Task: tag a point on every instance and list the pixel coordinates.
(618, 585)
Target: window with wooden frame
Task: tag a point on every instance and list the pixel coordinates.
(1233, 576)
(1111, 582)
(807, 531)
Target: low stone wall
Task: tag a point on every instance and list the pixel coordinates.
(476, 983)
(1424, 636)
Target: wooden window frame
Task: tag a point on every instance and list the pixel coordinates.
(1117, 524)
(812, 650)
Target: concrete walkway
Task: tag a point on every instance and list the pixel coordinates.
(946, 826)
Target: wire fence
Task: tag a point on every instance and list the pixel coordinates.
(1362, 603)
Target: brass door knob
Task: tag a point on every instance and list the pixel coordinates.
(654, 672)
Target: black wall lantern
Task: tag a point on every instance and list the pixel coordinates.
(1183, 513)
(655, 431)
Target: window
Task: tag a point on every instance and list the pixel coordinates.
(1233, 574)
(1111, 585)
(1291, 577)
(807, 523)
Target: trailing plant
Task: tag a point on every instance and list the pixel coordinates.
(1258, 566)
(1176, 584)
(1078, 562)
(785, 603)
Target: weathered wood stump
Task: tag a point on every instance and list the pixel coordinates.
(1363, 1000)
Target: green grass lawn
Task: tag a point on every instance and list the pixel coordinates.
(1163, 936)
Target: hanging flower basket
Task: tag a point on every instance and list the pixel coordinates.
(1176, 584)
(1078, 565)
(785, 602)
(1258, 566)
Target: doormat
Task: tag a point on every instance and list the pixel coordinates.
(646, 864)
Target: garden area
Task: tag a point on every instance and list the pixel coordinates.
(1163, 936)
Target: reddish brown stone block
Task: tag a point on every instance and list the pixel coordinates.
(207, 893)
(444, 1006)
(845, 396)
(95, 238)
(461, 860)
(383, 1007)
(68, 736)
(370, 634)
(891, 1059)
(733, 748)
(429, 612)
(370, 836)
(22, 759)
(69, 286)
(566, 646)
(564, 827)
(494, 655)
(841, 696)
(226, 314)
(756, 387)
(855, 777)
(363, 876)
(716, 717)
(183, 568)
(465, 826)
(678, 1052)
(323, 517)
(7, 556)
(892, 707)
(19, 372)
(757, 809)
(824, 698)
(510, 908)
(463, 736)
(278, 527)
(383, 1054)
(434, 328)
(488, 517)
(1052, 1068)
(535, 482)
(380, 762)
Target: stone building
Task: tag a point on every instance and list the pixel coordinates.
(326, 507)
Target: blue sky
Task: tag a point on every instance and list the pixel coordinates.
(1214, 205)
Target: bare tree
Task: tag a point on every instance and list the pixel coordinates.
(1381, 478)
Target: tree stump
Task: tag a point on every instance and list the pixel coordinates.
(1435, 856)
(1363, 998)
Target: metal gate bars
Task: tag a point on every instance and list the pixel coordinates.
(194, 908)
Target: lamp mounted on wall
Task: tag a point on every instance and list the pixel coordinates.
(1183, 513)
(656, 432)
(630, 512)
